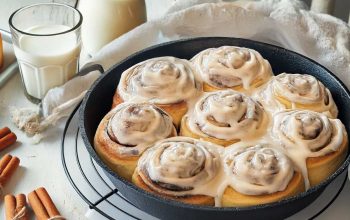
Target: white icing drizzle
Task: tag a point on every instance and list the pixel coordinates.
(161, 80)
(267, 99)
(297, 89)
(310, 130)
(133, 126)
(230, 66)
(176, 166)
(182, 166)
(228, 115)
(258, 169)
(306, 134)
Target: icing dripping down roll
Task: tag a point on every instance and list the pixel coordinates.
(299, 91)
(316, 144)
(232, 67)
(310, 130)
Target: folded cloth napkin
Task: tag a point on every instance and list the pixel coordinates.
(286, 23)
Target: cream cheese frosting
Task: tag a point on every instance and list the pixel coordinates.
(258, 169)
(231, 66)
(176, 166)
(161, 80)
(228, 115)
(132, 126)
(310, 130)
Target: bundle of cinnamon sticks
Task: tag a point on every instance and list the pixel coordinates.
(16, 207)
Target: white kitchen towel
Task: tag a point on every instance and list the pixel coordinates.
(287, 23)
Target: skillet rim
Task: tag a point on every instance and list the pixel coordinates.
(131, 186)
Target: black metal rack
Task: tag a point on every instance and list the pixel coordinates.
(89, 181)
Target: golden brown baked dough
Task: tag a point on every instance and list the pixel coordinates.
(126, 131)
(232, 198)
(193, 199)
(320, 168)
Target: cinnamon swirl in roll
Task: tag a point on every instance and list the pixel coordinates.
(126, 131)
(259, 174)
(312, 138)
(178, 168)
(230, 67)
(167, 82)
(299, 91)
(225, 117)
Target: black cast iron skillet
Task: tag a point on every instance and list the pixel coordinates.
(98, 99)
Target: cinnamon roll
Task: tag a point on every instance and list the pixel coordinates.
(179, 168)
(225, 117)
(126, 131)
(168, 82)
(237, 68)
(314, 139)
(299, 91)
(259, 174)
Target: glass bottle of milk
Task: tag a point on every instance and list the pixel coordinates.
(46, 41)
(105, 20)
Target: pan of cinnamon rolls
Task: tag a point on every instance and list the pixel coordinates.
(218, 128)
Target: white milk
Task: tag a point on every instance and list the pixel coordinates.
(47, 61)
(105, 20)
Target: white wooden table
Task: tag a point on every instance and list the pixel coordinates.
(41, 163)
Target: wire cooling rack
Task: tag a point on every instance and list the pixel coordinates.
(93, 186)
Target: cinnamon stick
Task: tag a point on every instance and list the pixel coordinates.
(7, 138)
(16, 207)
(42, 205)
(4, 131)
(8, 166)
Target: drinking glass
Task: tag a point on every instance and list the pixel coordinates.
(47, 44)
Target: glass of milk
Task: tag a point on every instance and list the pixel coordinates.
(47, 43)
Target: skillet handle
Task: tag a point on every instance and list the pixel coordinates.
(94, 67)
